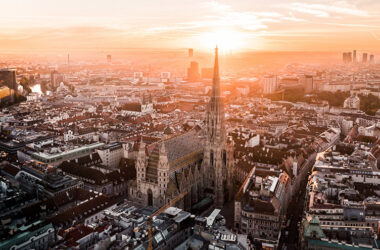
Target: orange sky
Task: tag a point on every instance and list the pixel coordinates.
(279, 25)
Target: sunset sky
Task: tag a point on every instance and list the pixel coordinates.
(319, 25)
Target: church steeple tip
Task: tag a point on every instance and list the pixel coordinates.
(216, 64)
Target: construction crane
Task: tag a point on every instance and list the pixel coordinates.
(159, 211)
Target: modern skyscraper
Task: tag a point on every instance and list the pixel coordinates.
(371, 58)
(270, 84)
(193, 72)
(218, 156)
(109, 59)
(344, 58)
(365, 57)
(347, 57)
(8, 77)
(308, 84)
(56, 78)
(191, 53)
(354, 56)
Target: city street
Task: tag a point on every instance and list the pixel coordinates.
(295, 213)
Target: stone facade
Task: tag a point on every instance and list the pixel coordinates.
(218, 156)
(197, 162)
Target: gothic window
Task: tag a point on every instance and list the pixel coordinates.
(314, 235)
(212, 158)
(224, 157)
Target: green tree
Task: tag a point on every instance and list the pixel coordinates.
(25, 84)
(44, 87)
(369, 104)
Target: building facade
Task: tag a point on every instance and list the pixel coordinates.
(198, 163)
(270, 84)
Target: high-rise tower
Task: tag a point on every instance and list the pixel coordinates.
(218, 156)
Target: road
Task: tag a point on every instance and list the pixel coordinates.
(295, 213)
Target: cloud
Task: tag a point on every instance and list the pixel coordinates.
(307, 9)
(216, 6)
(375, 36)
(328, 10)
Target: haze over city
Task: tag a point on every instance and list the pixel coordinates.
(275, 25)
(190, 125)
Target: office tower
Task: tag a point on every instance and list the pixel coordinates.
(372, 58)
(109, 59)
(193, 72)
(349, 57)
(191, 53)
(354, 56)
(56, 78)
(270, 84)
(8, 78)
(308, 84)
(207, 73)
(364, 60)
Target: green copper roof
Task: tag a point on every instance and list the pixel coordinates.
(313, 226)
(25, 233)
(332, 245)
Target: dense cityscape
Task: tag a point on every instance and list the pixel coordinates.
(190, 147)
(117, 159)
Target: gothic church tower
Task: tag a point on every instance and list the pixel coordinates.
(218, 156)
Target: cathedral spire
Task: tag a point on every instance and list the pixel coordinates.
(216, 78)
(215, 111)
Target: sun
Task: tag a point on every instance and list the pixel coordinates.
(227, 40)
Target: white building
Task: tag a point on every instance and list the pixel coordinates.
(270, 84)
(352, 102)
(111, 154)
(83, 134)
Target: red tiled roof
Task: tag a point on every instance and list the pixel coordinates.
(11, 169)
(85, 209)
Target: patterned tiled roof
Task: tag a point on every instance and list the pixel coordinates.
(183, 145)
(179, 149)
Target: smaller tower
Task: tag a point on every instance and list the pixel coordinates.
(141, 164)
(163, 171)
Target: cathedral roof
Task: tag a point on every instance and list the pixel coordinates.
(179, 149)
(183, 145)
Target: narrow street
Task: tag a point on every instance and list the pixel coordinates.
(290, 235)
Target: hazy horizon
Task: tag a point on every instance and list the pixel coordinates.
(48, 26)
